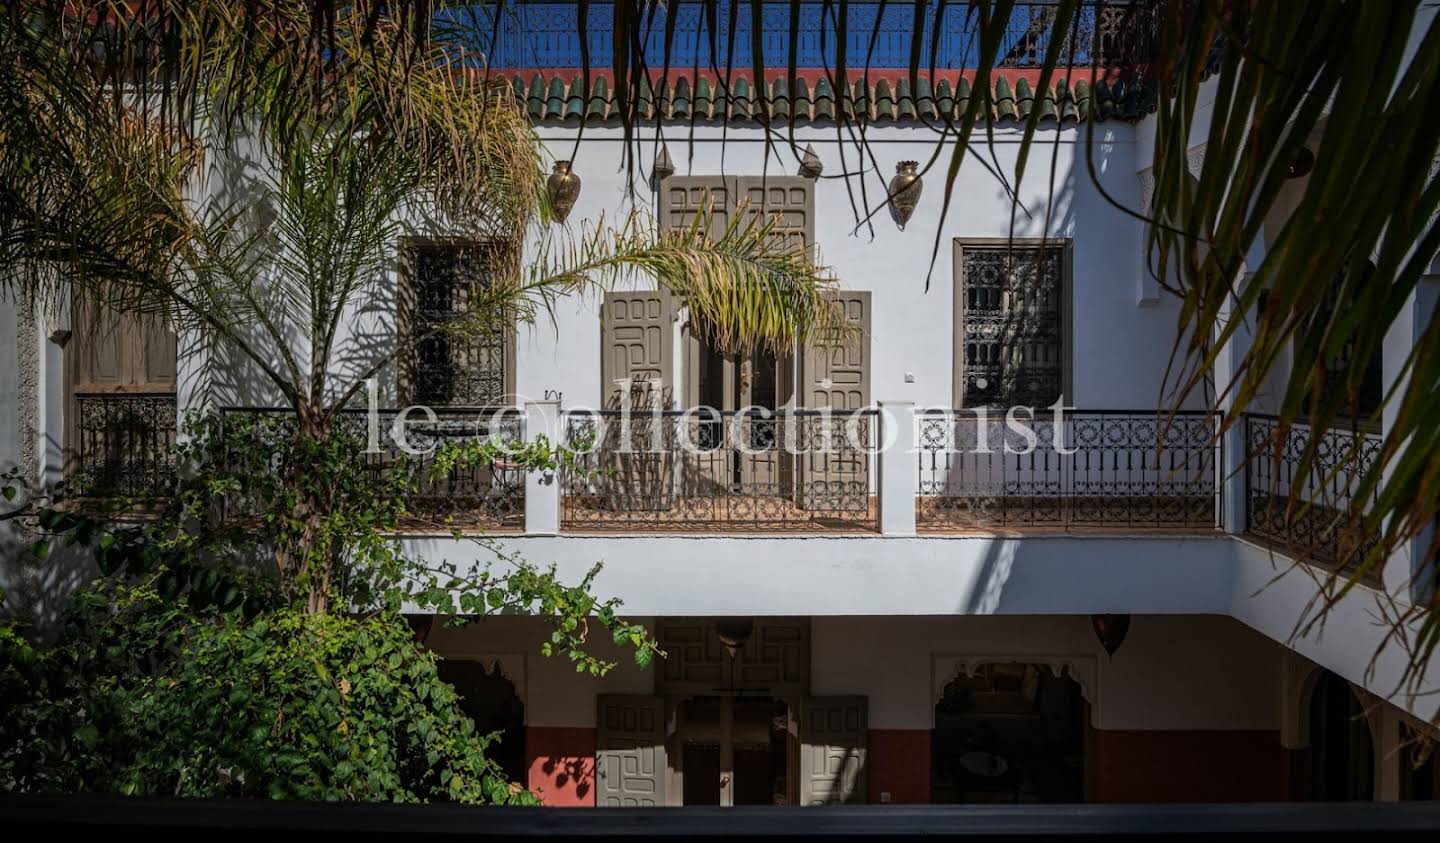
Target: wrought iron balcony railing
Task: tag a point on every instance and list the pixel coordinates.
(716, 34)
(1316, 512)
(1091, 469)
(720, 471)
(491, 497)
(124, 444)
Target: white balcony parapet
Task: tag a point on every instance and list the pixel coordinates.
(899, 473)
(542, 488)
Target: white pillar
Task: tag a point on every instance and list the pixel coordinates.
(1232, 468)
(899, 473)
(542, 488)
(1404, 572)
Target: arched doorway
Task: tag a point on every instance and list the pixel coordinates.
(1010, 732)
(489, 698)
(1419, 765)
(1342, 747)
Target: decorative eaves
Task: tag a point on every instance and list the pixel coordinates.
(561, 96)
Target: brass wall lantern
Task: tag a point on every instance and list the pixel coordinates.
(905, 189)
(563, 188)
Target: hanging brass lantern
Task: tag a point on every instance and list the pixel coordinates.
(905, 189)
(810, 164)
(1302, 165)
(664, 167)
(733, 633)
(1111, 630)
(563, 188)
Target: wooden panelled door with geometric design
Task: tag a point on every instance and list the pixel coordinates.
(631, 767)
(835, 376)
(832, 750)
(637, 350)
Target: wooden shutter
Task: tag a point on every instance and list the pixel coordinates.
(121, 417)
(630, 763)
(683, 198)
(832, 750)
(835, 371)
(787, 200)
(121, 352)
(835, 376)
(637, 349)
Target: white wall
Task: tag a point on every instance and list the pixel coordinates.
(1274, 597)
(875, 575)
(10, 412)
(1119, 348)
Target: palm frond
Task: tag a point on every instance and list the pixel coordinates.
(747, 287)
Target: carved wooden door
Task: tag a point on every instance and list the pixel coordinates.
(631, 768)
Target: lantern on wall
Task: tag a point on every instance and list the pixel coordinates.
(810, 164)
(664, 167)
(733, 633)
(563, 188)
(905, 189)
(1111, 630)
(1302, 165)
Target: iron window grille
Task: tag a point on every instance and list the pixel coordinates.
(1010, 315)
(450, 369)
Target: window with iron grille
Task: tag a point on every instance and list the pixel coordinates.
(446, 369)
(1010, 324)
(1369, 394)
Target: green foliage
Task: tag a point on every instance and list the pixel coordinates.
(148, 696)
(246, 641)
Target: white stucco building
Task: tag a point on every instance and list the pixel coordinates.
(907, 620)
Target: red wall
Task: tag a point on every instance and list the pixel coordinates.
(561, 764)
(1200, 766)
(1129, 766)
(898, 762)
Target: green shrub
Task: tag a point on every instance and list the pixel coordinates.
(147, 697)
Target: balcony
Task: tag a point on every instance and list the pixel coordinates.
(477, 498)
(1096, 471)
(887, 471)
(1315, 513)
(721, 471)
(536, 34)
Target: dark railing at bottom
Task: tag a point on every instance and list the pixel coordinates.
(1281, 821)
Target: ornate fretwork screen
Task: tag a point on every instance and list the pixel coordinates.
(448, 370)
(1010, 314)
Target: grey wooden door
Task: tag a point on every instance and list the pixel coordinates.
(708, 473)
(637, 350)
(637, 361)
(832, 750)
(630, 760)
(835, 376)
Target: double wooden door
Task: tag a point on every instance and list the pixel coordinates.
(725, 750)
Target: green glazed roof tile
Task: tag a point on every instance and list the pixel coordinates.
(549, 96)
